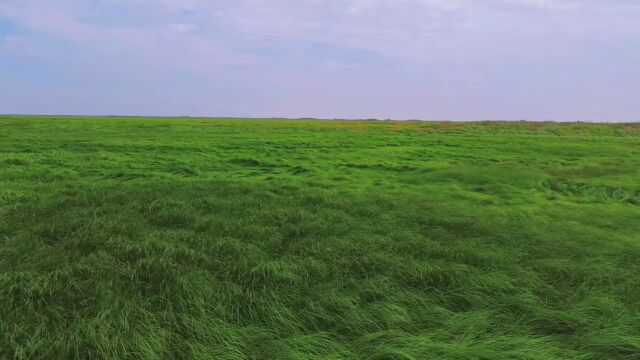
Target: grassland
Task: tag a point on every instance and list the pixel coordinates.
(133, 238)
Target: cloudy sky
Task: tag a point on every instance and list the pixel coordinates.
(400, 59)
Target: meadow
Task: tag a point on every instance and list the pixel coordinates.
(190, 238)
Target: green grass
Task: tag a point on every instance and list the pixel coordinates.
(134, 238)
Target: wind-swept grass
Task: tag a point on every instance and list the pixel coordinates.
(133, 238)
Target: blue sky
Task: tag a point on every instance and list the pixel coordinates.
(401, 59)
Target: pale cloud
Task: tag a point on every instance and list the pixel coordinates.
(552, 4)
(183, 27)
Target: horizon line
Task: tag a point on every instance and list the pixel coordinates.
(322, 119)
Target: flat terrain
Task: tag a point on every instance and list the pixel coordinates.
(133, 238)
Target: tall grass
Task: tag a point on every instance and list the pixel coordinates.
(253, 239)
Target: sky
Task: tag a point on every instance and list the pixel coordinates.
(564, 60)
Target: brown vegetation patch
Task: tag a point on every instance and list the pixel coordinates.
(632, 127)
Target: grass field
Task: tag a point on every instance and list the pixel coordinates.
(134, 238)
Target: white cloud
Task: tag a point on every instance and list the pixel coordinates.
(183, 28)
(547, 4)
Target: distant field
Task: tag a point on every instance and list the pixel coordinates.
(134, 238)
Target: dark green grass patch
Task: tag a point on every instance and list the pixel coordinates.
(132, 238)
